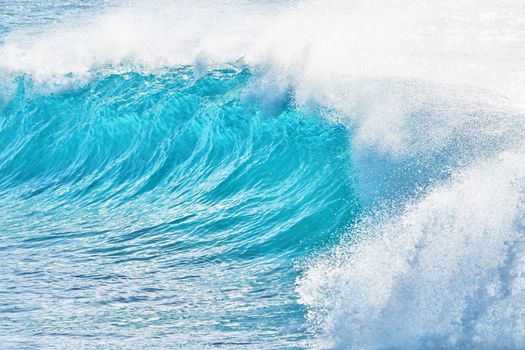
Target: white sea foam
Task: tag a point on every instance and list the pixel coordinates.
(448, 272)
(480, 43)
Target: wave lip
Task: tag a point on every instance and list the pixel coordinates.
(310, 42)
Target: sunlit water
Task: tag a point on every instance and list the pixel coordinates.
(252, 174)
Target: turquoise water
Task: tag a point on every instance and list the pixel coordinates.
(255, 174)
(166, 208)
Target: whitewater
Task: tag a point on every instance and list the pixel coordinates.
(262, 174)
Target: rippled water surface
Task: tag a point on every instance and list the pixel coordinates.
(143, 207)
(262, 174)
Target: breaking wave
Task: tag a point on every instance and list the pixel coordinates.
(215, 172)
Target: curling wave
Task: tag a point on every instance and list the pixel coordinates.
(181, 199)
(210, 174)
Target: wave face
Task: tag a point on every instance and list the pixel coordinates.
(163, 206)
(262, 174)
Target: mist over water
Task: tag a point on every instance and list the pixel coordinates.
(335, 174)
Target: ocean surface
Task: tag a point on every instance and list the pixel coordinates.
(256, 174)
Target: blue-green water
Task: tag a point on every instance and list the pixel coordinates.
(163, 208)
(259, 174)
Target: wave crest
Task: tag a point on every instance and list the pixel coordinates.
(447, 272)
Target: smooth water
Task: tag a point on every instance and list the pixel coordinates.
(262, 175)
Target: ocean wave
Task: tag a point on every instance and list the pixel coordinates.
(446, 272)
(182, 192)
(244, 137)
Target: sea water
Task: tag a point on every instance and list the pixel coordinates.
(262, 174)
